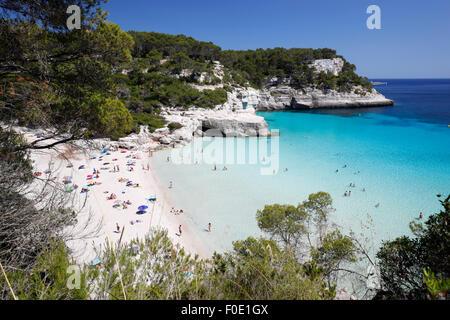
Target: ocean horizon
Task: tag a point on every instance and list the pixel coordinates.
(397, 160)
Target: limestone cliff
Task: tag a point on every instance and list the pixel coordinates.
(237, 117)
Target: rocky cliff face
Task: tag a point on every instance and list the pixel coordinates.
(237, 117)
(285, 97)
(328, 65)
(218, 122)
(278, 94)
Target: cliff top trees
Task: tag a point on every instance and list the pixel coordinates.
(50, 76)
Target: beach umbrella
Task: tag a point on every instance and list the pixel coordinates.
(141, 212)
(81, 167)
(104, 151)
(94, 262)
(142, 208)
(135, 249)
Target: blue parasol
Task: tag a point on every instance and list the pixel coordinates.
(142, 208)
(94, 262)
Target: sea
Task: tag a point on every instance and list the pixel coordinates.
(395, 161)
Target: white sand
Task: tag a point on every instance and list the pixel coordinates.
(103, 214)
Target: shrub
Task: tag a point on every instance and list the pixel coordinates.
(174, 126)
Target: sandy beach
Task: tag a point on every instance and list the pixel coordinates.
(118, 182)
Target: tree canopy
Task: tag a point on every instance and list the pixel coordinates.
(404, 259)
(54, 78)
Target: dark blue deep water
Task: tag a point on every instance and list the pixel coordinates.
(424, 100)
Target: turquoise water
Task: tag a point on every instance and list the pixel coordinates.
(401, 162)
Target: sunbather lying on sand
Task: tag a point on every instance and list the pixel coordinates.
(112, 197)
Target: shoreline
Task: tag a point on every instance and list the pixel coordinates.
(99, 213)
(196, 244)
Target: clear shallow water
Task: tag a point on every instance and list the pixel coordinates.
(402, 155)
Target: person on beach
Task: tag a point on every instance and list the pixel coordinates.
(215, 168)
(170, 185)
(209, 227)
(349, 193)
(421, 215)
(179, 229)
(117, 227)
(345, 194)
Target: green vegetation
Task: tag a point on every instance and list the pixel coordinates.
(408, 265)
(251, 67)
(164, 67)
(69, 84)
(306, 231)
(152, 120)
(156, 269)
(66, 76)
(174, 126)
(56, 79)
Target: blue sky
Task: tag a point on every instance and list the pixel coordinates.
(414, 41)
